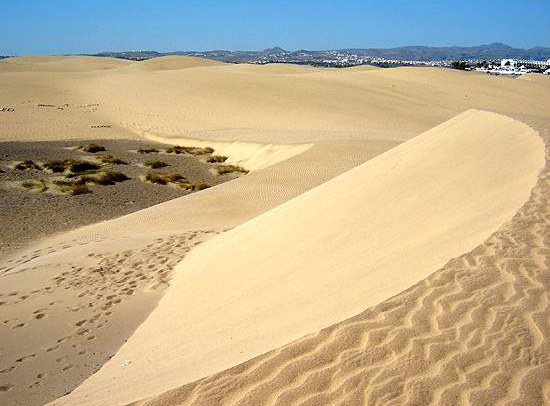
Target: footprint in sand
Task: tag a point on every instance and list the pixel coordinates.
(5, 388)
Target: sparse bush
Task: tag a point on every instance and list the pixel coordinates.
(164, 178)
(27, 164)
(41, 185)
(156, 178)
(82, 166)
(147, 150)
(108, 178)
(223, 169)
(217, 159)
(178, 149)
(156, 164)
(64, 182)
(192, 186)
(80, 190)
(109, 159)
(77, 166)
(92, 148)
(57, 165)
(28, 184)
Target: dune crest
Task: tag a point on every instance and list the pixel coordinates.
(328, 254)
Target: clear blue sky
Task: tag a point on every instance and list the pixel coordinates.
(89, 26)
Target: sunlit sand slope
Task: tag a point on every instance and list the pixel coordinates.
(174, 62)
(326, 255)
(473, 333)
(39, 63)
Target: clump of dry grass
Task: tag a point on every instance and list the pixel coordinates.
(193, 186)
(217, 159)
(109, 178)
(109, 159)
(178, 149)
(40, 185)
(155, 164)
(73, 165)
(27, 165)
(147, 150)
(92, 148)
(223, 169)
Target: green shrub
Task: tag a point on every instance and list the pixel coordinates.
(24, 165)
(109, 159)
(156, 164)
(92, 148)
(217, 159)
(147, 150)
(223, 169)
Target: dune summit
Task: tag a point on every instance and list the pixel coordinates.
(388, 244)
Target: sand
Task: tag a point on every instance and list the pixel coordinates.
(344, 269)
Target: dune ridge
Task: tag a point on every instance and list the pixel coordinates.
(474, 332)
(276, 290)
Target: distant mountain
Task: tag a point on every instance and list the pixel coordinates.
(415, 53)
(490, 51)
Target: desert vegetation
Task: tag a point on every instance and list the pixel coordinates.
(155, 164)
(72, 165)
(176, 179)
(91, 148)
(109, 159)
(223, 169)
(217, 159)
(39, 185)
(27, 165)
(147, 150)
(178, 149)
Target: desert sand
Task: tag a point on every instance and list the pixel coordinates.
(388, 246)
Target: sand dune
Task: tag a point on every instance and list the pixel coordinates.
(38, 63)
(327, 254)
(314, 242)
(174, 62)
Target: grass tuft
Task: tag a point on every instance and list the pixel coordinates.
(109, 178)
(156, 164)
(73, 165)
(217, 159)
(223, 169)
(147, 150)
(92, 148)
(40, 185)
(178, 149)
(109, 159)
(26, 165)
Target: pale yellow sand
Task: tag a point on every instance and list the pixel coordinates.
(311, 112)
(327, 254)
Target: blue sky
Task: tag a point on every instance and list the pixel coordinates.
(89, 26)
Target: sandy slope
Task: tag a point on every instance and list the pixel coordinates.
(475, 333)
(82, 293)
(327, 254)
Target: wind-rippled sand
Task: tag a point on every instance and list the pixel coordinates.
(344, 269)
